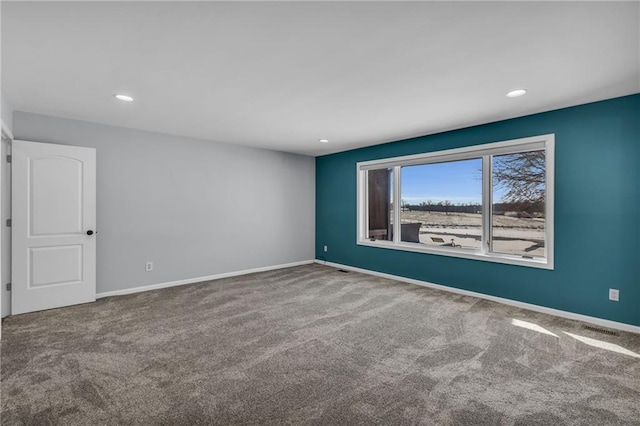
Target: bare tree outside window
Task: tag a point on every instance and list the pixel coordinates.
(447, 206)
(521, 176)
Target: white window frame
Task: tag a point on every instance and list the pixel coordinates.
(486, 153)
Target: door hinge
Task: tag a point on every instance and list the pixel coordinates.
(8, 286)
(9, 158)
(9, 222)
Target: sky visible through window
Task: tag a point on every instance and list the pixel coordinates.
(459, 182)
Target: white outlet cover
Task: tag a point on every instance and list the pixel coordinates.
(614, 294)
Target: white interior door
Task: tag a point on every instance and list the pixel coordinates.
(53, 220)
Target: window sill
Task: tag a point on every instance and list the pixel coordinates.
(462, 253)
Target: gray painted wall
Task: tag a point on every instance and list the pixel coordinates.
(193, 207)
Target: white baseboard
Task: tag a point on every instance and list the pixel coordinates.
(563, 314)
(198, 279)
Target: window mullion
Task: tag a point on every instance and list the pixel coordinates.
(486, 204)
(396, 205)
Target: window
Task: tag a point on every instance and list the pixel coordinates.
(380, 202)
(490, 202)
(518, 210)
(444, 200)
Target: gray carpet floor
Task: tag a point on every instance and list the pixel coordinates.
(312, 345)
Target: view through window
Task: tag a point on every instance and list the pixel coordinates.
(380, 204)
(518, 213)
(445, 199)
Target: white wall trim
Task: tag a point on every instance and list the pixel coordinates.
(5, 130)
(563, 314)
(198, 279)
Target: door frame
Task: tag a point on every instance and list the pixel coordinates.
(6, 134)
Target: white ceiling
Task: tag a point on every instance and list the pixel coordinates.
(283, 75)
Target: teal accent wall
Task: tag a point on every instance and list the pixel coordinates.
(597, 213)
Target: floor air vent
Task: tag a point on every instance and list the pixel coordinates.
(343, 271)
(600, 330)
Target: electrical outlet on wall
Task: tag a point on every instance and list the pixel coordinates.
(326, 249)
(149, 266)
(614, 294)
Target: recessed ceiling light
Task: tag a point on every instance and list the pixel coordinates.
(324, 141)
(516, 93)
(124, 98)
